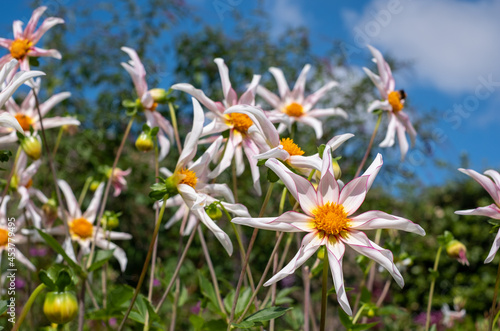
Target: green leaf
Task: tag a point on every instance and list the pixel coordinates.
(244, 325)
(261, 162)
(271, 176)
(345, 319)
(63, 280)
(45, 278)
(58, 248)
(197, 322)
(207, 289)
(100, 259)
(267, 314)
(119, 297)
(360, 327)
(243, 300)
(321, 150)
(3, 307)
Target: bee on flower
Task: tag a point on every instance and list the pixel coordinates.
(293, 106)
(393, 103)
(22, 47)
(328, 221)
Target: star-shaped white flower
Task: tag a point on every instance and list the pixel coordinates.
(328, 220)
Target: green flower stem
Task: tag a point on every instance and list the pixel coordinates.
(106, 192)
(358, 314)
(27, 306)
(324, 292)
(178, 267)
(174, 125)
(493, 304)
(85, 189)
(249, 250)
(379, 119)
(58, 141)
(431, 291)
(307, 296)
(146, 263)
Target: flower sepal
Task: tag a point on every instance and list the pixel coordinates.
(164, 189)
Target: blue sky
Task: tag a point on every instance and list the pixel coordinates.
(453, 46)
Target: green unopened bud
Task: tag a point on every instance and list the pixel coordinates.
(110, 220)
(144, 142)
(50, 210)
(213, 211)
(457, 250)
(94, 185)
(32, 147)
(159, 95)
(321, 253)
(60, 307)
(371, 312)
(336, 169)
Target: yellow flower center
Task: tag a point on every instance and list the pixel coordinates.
(240, 122)
(188, 177)
(291, 147)
(24, 121)
(294, 109)
(331, 219)
(81, 227)
(394, 99)
(4, 237)
(19, 48)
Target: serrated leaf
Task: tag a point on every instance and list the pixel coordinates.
(101, 258)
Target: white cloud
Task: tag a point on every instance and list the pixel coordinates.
(286, 14)
(450, 42)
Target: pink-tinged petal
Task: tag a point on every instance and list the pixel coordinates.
(35, 51)
(491, 211)
(164, 144)
(34, 214)
(33, 22)
(7, 69)
(198, 94)
(248, 98)
(6, 43)
(178, 215)
(25, 196)
(9, 121)
(300, 83)
(310, 244)
(383, 69)
(55, 122)
(335, 252)
(112, 235)
(3, 210)
(485, 182)
(283, 88)
(24, 260)
(14, 84)
(22, 162)
(275, 153)
(136, 70)
(47, 24)
(495, 176)
(391, 132)
(377, 81)
(214, 127)
(251, 151)
(24, 65)
(200, 166)
(299, 187)
(118, 253)
(268, 96)
(4, 60)
(71, 202)
(379, 104)
(27, 174)
(373, 170)
(193, 199)
(260, 119)
(52, 101)
(328, 189)
(353, 194)
(327, 112)
(300, 221)
(360, 243)
(376, 219)
(494, 248)
(312, 99)
(223, 238)
(147, 100)
(236, 209)
(403, 143)
(91, 211)
(17, 27)
(316, 124)
(305, 162)
(218, 190)
(233, 141)
(336, 141)
(405, 120)
(191, 142)
(265, 223)
(225, 81)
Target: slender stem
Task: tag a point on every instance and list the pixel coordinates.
(85, 189)
(324, 292)
(431, 291)
(27, 306)
(307, 296)
(262, 278)
(178, 267)
(384, 293)
(249, 250)
(212, 270)
(358, 314)
(273, 286)
(176, 128)
(369, 146)
(81, 307)
(176, 300)
(146, 263)
(12, 172)
(58, 141)
(493, 304)
(92, 297)
(106, 192)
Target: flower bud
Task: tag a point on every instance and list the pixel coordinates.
(32, 147)
(50, 210)
(110, 220)
(159, 95)
(144, 142)
(213, 211)
(94, 185)
(321, 253)
(457, 250)
(336, 169)
(60, 307)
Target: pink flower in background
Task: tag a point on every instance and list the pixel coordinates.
(293, 106)
(492, 186)
(240, 138)
(119, 182)
(328, 221)
(392, 102)
(22, 47)
(154, 119)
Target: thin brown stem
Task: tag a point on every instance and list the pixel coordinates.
(431, 290)
(365, 157)
(387, 285)
(307, 296)
(174, 306)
